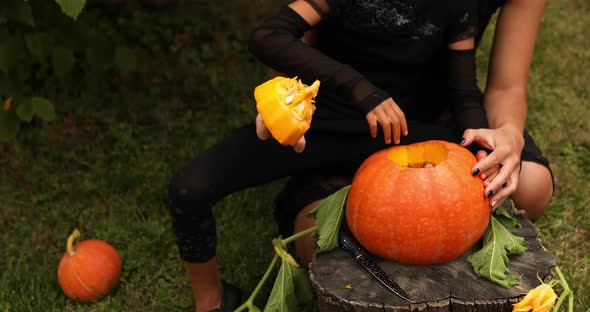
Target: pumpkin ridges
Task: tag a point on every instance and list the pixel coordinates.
(97, 251)
(428, 207)
(77, 267)
(93, 292)
(64, 277)
(441, 214)
(72, 283)
(465, 160)
(459, 221)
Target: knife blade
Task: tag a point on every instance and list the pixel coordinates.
(349, 243)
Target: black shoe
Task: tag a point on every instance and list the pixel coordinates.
(231, 298)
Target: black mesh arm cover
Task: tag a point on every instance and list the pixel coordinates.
(465, 97)
(277, 43)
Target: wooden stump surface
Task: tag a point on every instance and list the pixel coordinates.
(343, 285)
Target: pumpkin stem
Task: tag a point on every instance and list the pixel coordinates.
(70, 245)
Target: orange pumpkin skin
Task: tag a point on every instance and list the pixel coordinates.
(91, 272)
(400, 211)
(286, 106)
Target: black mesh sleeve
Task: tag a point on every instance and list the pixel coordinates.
(465, 97)
(277, 44)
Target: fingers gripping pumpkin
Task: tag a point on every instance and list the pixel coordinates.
(286, 106)
(89, 270)
(418, 203)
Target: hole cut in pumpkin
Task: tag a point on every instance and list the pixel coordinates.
(419, 155)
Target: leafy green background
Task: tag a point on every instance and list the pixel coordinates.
(123, 127)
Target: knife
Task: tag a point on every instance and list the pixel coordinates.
(349, 243)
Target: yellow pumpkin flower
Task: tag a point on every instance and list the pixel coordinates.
(540, 299)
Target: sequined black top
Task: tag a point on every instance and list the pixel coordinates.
(370, 50)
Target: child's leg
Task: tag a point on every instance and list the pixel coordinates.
(239, 161)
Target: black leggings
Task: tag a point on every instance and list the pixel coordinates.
(241, 160)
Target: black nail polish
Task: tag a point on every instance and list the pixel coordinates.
(504, 185)
(463, 141)
(490, 193)
(475, 172)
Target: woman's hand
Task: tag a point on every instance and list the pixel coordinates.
(391, 118)
(264, 134)
(506, 144)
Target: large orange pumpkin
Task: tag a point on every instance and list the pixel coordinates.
(89, 270)
(286, 106)
(418, 204)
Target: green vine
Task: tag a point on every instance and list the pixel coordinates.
(280, 252)
(566, 293)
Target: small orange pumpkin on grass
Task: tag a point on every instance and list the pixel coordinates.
(88, 270)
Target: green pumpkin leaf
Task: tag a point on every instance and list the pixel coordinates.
(303, 288)
(71, 8)
(62, 60)
(125, 59)
(282, 297)
(491, 260)
(507, 219)
(43, 108)
(24, 110)
(328, 217)
(9, 124)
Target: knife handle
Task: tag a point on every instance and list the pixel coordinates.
(349, 243)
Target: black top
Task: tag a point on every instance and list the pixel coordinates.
(370, 50)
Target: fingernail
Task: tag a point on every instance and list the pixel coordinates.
(504, 185)
(494, 204)
(475, 172)
(406, 133)
(463, 140)
(490, 193)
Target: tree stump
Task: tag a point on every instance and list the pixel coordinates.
(342, 285)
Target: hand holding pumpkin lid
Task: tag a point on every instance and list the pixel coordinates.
(286, 106)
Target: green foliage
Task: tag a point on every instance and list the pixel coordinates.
(72, 8)
(282, 297)
(329, 216)
(31, 35)
(498, 243)
(291, 290)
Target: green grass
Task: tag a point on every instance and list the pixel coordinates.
(104, 169)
